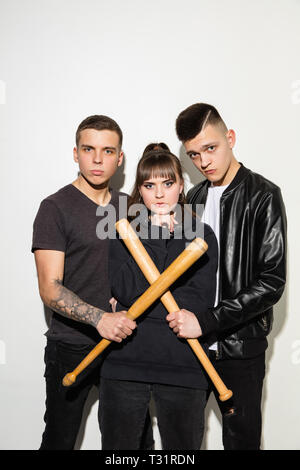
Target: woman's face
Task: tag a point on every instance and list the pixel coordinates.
(160, 195)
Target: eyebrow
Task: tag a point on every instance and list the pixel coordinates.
(165, 181)
(203, 147)
(104, 148)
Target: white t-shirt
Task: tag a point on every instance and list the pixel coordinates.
(211, 216)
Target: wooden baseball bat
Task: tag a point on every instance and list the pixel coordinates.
(151, 273)
(193, 252)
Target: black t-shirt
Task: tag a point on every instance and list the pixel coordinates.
(67, 221)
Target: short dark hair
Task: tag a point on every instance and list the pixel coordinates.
(100, 123)
(193, 119)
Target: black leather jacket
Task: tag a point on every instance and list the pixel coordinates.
(252, 267)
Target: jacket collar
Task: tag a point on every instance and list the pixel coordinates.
(241, 174)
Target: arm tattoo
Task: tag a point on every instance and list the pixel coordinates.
(71, 306)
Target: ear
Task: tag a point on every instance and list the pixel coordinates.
(231, 138)
(120, 159)
(75, 155)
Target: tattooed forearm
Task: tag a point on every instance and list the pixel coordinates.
(71, 306)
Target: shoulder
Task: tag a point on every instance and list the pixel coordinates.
(260, 183)
(57, 206)
(264, 195)
(196, 190)
(61, 196)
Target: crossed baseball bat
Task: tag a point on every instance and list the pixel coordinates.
(159, 283)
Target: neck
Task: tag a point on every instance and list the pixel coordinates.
(98, 193)
(230, 173)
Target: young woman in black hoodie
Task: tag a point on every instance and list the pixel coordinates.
(154, 361)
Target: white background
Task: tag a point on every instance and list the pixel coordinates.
(140, 62)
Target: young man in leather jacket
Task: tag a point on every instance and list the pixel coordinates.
(247, 214)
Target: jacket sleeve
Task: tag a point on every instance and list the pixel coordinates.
(269, 276)
(197, 292)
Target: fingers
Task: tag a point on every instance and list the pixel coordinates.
(175, 321)
(171, 316)
(113, 303)
(123, 328)
(116, 326)
(184, 324)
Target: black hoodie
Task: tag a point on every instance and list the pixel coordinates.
(154, 353)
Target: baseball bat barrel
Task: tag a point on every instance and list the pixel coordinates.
(193, 252)
(151, 273)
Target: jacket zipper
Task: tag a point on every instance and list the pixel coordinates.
(217, 352)
(264, 320)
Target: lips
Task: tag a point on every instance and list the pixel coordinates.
(97, 172)
(209, 172)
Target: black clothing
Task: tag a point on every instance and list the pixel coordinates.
(67, 221)
(153, 353)
(241, 414)
(65, 405)
(252, 266)
(124, 406)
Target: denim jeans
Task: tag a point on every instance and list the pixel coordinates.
(64, 405)
(124, 405)
(241, 414)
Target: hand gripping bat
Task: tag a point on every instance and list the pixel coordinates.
(151, 273)
(193, 252)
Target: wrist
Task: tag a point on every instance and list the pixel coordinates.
(98, 320)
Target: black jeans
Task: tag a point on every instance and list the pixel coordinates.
(124, 405)
(241, 414)
(64, 405)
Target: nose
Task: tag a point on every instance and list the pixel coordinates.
(159, 191)
(205, 161)
(98, 157)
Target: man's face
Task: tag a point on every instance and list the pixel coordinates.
(211, 153)
(98, 155)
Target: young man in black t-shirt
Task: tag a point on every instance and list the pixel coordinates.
(73, 281)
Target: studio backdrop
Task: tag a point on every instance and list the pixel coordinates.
(141, 63)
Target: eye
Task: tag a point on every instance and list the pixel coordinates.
(109, 151)
(193, 155)
(87, 149)
(168, 184)
(211, 148)
(148, 185)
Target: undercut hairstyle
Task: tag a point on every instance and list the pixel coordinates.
(99, 123)
(195, 118)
